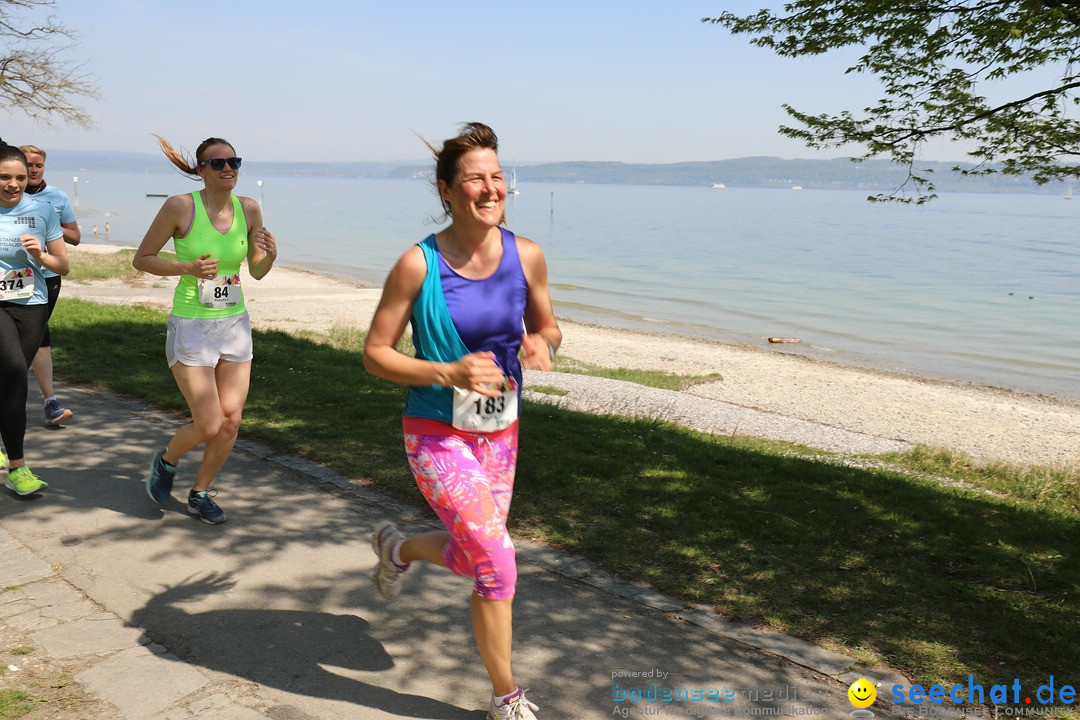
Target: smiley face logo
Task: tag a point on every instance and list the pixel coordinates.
(862, 693)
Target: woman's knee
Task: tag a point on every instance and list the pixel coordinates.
(207, 427)
(12, 367)
(230, 424)
(501, 586)
(495, 570)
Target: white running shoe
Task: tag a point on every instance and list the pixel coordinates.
(517, 708)
(387, 574)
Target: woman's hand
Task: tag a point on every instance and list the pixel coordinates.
(32, 246)
(536, 352)
(205, 268)
(265, 241)
(478, 372)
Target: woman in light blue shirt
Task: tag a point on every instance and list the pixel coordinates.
(30, 241)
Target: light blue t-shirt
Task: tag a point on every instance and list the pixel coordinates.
(58, 199)
(34, 218)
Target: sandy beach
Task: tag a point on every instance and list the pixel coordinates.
(983, 422)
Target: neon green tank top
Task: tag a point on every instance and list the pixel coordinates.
(230, 249)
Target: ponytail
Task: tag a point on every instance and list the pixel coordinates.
(183, 162)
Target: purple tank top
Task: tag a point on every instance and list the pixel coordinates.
(487, 313)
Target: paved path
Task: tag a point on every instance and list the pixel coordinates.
(272, 615)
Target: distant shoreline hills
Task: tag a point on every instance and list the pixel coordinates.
(749, 172)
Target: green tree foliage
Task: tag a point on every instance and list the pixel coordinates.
(935, 60)
(36, 79)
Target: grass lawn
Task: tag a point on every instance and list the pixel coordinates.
(882, 560)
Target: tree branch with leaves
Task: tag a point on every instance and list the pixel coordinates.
(937, 62)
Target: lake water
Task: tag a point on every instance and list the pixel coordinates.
(973, 287)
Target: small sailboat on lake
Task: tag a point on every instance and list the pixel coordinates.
(512, 190)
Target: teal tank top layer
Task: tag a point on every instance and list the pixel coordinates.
(435, 338)
(230, 248)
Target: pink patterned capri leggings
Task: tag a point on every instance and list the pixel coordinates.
(468, 481)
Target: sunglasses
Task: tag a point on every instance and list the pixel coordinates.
(218, 164)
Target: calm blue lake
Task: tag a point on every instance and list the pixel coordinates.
(974, 287)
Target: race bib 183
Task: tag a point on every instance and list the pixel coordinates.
(480, 413)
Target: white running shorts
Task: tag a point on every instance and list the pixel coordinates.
(199, 342)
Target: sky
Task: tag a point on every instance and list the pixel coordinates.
(353, 80)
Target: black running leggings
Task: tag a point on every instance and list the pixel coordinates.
(52, 284)
(21, 329)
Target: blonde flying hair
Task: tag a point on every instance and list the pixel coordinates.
(27, 149)
(183, 162)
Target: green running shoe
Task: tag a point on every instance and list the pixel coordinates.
(3, 459)
(24, 482)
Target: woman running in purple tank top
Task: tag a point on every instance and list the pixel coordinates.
(470, 291)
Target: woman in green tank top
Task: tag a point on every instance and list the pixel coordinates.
(208, 345)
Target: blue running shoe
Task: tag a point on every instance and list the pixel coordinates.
(203, 505)
(159, 482)
(55, 413)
